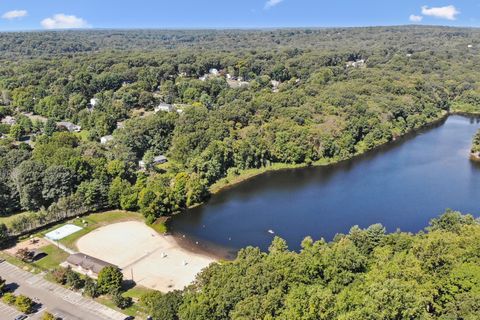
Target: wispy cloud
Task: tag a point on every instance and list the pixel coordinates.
(63, 21)
(272, 3)
(415, 18)
(447, 12)
(14, 14)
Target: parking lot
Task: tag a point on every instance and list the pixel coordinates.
(7, 312)
(63, 303)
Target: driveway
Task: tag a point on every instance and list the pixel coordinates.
(63, 303)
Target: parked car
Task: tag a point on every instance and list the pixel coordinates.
(21, 317)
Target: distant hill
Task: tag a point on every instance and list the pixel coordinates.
(13, 44)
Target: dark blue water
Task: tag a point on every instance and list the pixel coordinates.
(402, 186)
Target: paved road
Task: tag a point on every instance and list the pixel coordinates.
(64, 303)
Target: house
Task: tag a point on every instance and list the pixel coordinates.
(275, 84)
(86, 264)
(69, 126)
(106, 139)
(360, 63)
(157, 160)
(164, 107)
(9, 120)
(213, 71)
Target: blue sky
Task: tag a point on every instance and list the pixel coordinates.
(61, 14)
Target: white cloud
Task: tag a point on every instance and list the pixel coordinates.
(447, 12)
(63, 21)
(272, 3)
(415, 18)
(14, 14)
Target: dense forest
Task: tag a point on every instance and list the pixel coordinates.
(232, 100)
(365, 274)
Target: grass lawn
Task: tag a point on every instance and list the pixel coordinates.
(134, 310)
(54, 257)
(94, 221)
(159, 225)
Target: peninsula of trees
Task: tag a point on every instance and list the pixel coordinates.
(475, 151)
(365, 274)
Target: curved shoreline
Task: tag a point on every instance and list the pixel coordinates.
(220, 252)
(252, 173)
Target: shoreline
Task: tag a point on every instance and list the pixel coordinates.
(225, 183)
(223, 253)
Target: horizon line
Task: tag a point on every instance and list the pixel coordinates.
(234, 28)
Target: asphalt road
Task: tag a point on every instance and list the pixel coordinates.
(63, 303)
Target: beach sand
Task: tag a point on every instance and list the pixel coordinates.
(155, 261)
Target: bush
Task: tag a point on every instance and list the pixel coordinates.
(9, 298)
(48, 316)
(24, 304)
(73, 280)
(60, 275)
(90, 289)
(121, 301)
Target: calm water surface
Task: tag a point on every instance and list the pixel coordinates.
(402, 185)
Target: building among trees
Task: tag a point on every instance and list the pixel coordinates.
(86, 264)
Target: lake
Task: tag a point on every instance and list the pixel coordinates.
(402, 186)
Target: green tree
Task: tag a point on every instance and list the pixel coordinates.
(9, 298)
(16, 132)
(90, 288)
(73, 280)
(109, 280)
(24, 304)
(28, 179)
(48, 316)
(163, 306)
(58, 182)
(50, 127)
(121, 301)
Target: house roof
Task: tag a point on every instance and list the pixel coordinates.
(70, 126)
(160, 158)
(106, 138)
(87, 262)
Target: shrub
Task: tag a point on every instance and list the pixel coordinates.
(9, 298)
(48, 316)
(73, 280)
(60, 275)
(24, 304)
(90, 289)
(121, 301)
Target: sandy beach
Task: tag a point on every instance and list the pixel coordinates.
(151, 260)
